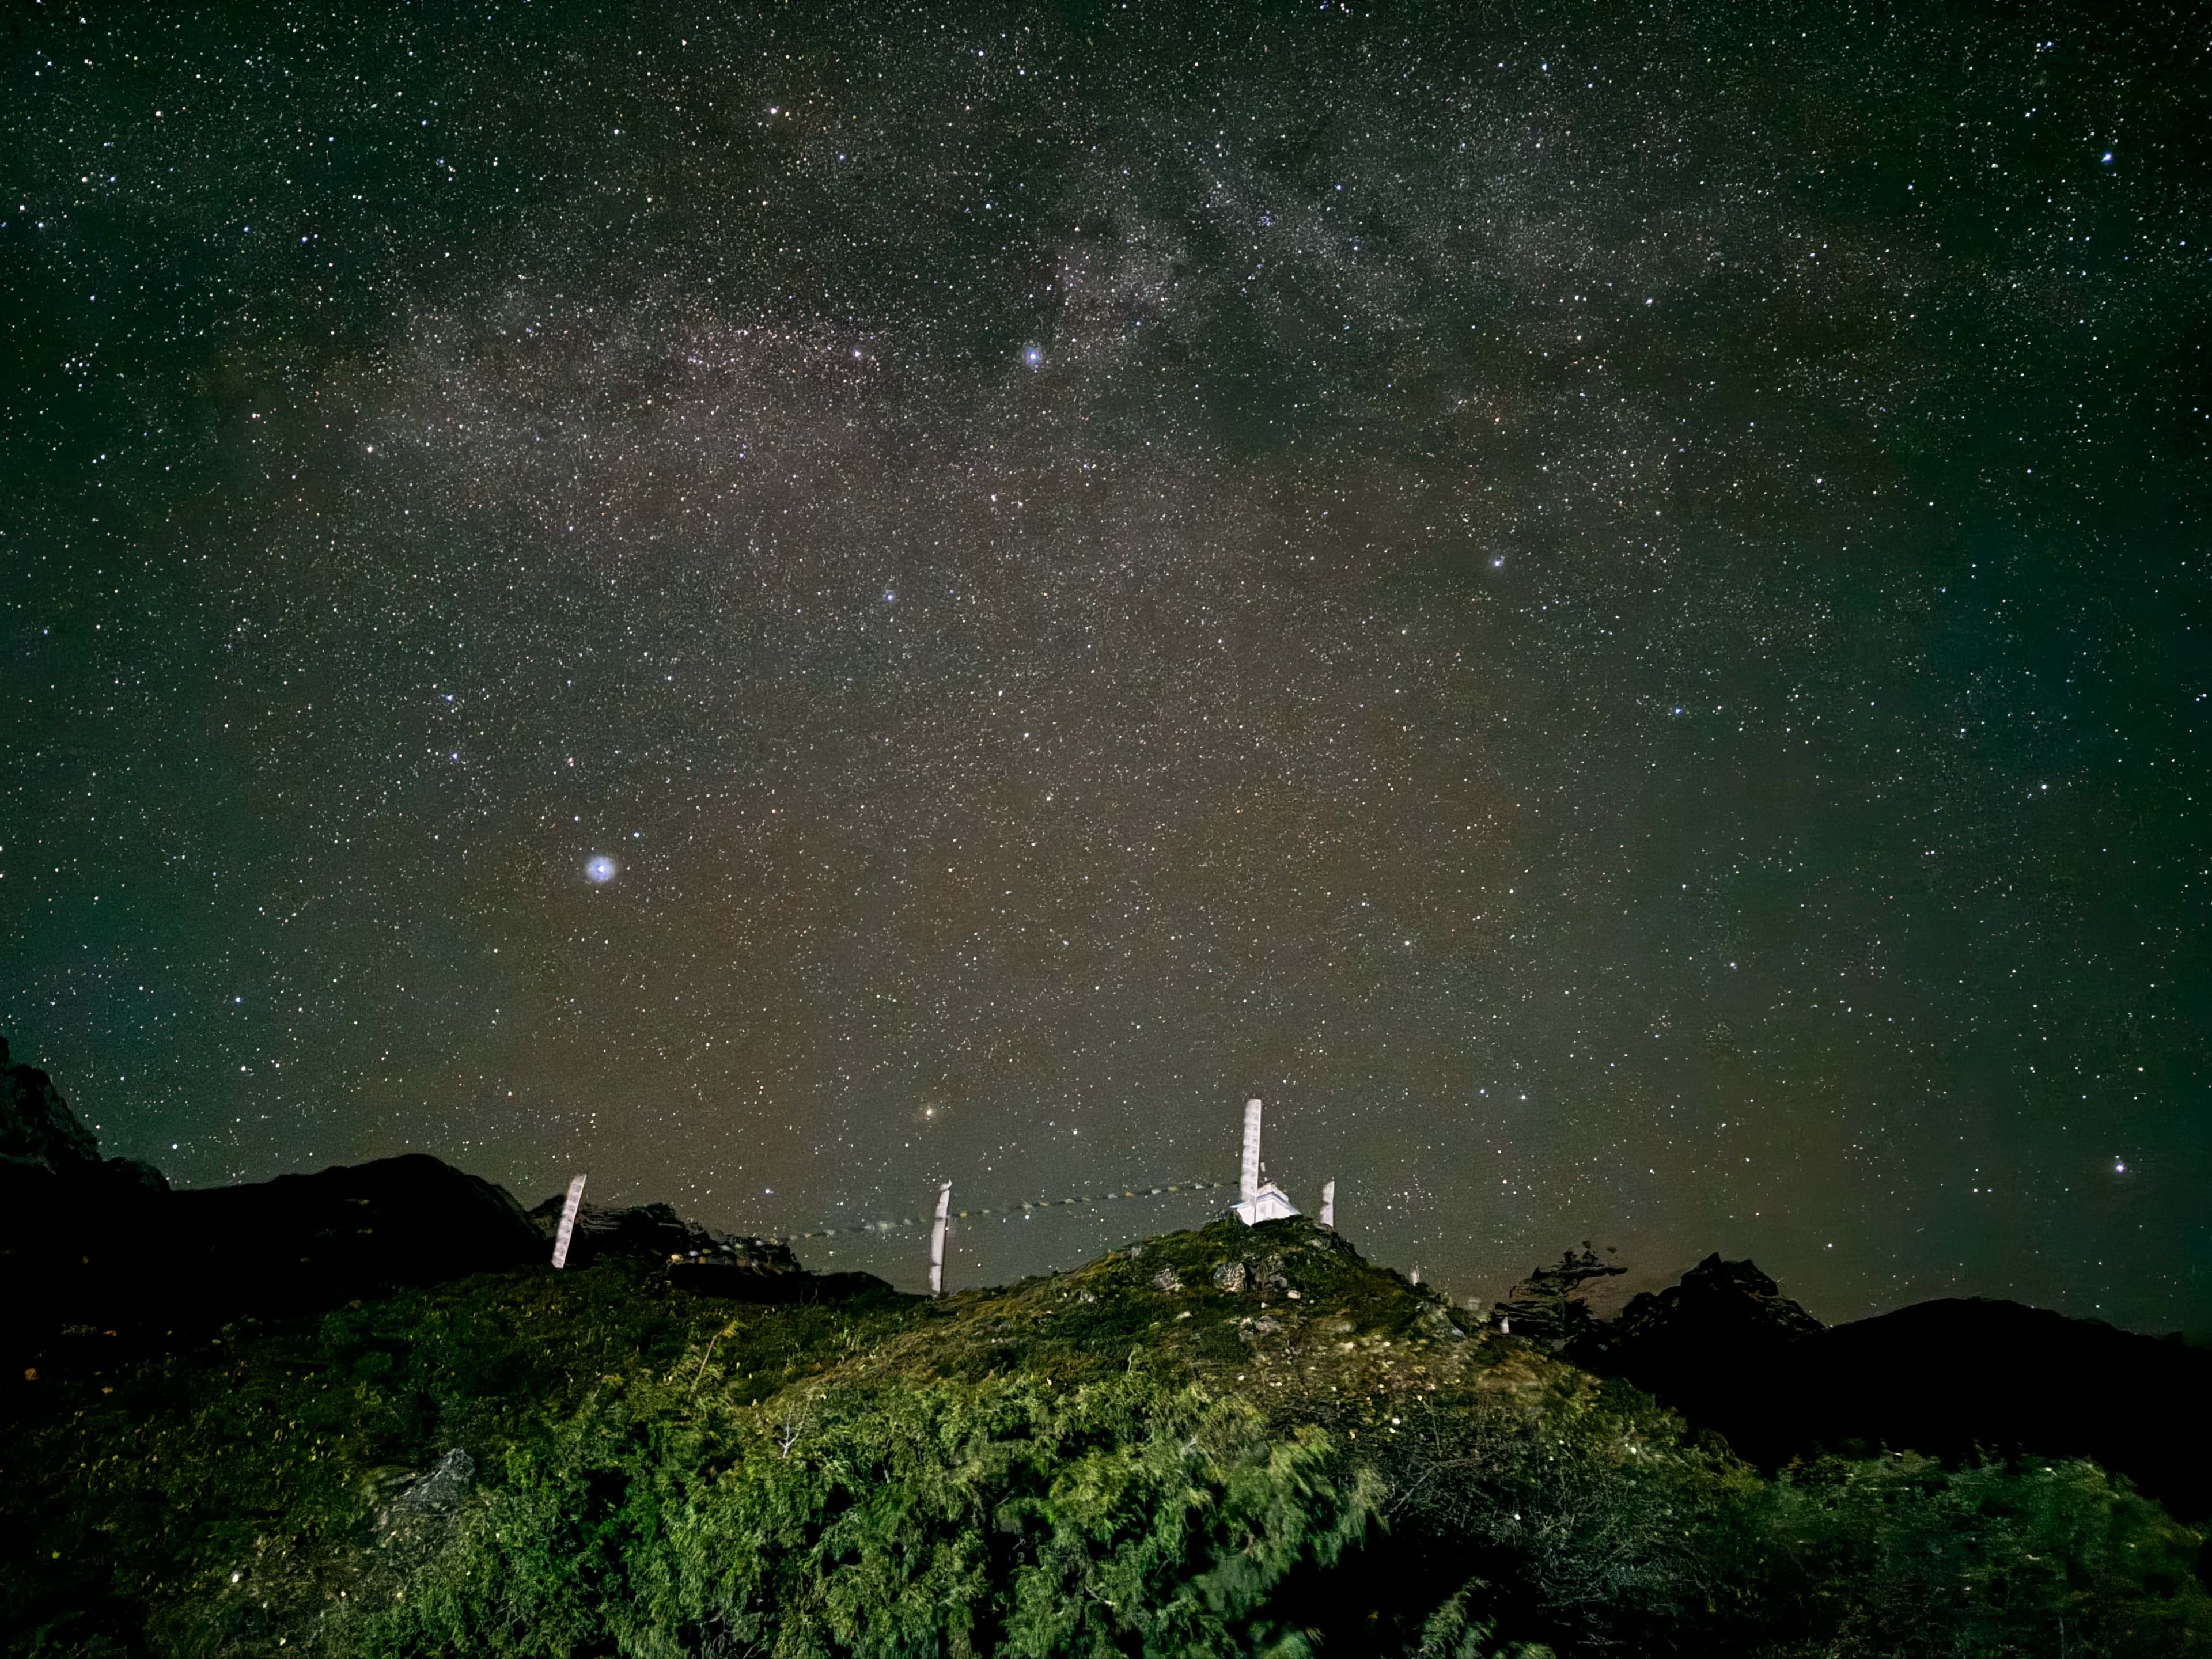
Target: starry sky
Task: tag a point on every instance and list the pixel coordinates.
(1605, 605)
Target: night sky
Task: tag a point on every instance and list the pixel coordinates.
(1607, 606)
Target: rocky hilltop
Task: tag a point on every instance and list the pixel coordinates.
(1234, 1442)
(1225, 1443)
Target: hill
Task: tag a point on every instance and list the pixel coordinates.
(1231, 1441)
(1218, 1442)
(1954, 1378)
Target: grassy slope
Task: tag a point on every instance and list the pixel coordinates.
(228, 1500)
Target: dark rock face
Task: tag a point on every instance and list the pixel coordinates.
(1711, 1338)
(38, 1131)
(36, 1126)
(1951, 1378)
(730, 1266)
(1547, 1306)
(654, 1232)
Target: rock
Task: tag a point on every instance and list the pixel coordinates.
(130, 1172)
(1166, 1282)
(1230, 1277)
(1731, 1304)
(1960, 1376)
(88, 1245)
(36, 1125)
(437, 1493)
(654, 1232)
(1548, 1306)
(408, 1220)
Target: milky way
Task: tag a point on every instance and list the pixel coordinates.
(1608, 613)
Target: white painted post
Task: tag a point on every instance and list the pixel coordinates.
(1329, 1202)
(1248, 1177)
(937, 1241)
(567, 1222)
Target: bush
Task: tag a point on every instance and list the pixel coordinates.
(1011, 1515)
(1901, 1557)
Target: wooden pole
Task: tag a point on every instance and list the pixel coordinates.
(567, 1222)
(937, 1241)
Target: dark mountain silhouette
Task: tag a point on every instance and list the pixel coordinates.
(103, 1248)
(93, 1247)
(1953, 1378)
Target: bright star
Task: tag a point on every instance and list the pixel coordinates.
(599, 869)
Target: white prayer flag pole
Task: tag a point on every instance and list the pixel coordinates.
(567, 1222)
(1248, 1176)
(937, 1241)
(1258, 1197)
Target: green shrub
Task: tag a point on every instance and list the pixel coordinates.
(1088, 1464)
(1902, 1558)
(1013, 1516)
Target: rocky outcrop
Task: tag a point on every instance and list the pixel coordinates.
(362, 1230)
(655, 1232)
(105, 1243)
(1548, 1306)
(39, 1133)
(36, 1126)
(734, 1265)
(1720, 1314)
(91, 1248)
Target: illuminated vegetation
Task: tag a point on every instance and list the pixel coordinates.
(1233, 1440)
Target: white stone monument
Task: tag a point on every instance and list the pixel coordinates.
(1329, 1202)
(1258, 1199)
